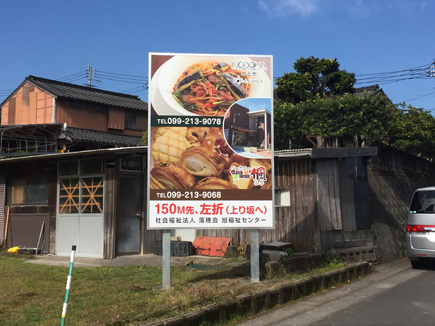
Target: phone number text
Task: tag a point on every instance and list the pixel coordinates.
(189, 194)
(159, 121)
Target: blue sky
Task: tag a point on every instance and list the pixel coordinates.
(56, 39)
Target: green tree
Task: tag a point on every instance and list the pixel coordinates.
(414, 131)
(314, 77)
(145, 138)
(349, 120)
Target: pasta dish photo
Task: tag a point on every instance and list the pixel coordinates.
(209, 88)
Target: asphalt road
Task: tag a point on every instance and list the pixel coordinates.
(395, 295)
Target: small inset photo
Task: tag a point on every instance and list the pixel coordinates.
(248, 127)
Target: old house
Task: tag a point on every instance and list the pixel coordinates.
(72, 169)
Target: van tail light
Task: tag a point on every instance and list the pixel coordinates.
(419, 228)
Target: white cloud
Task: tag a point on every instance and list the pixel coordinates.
(354, 8)
(409, 7)
(246, 11)
(366, 8)
(283, 8)
(361, 9)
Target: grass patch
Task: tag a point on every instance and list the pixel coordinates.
(32, 294)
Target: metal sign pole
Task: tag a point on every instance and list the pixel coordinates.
(255, 256)
(166, 259)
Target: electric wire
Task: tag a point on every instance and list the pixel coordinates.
(73, 75)
(124, 75)
(381, 78)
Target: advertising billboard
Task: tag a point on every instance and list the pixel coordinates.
(209, 141)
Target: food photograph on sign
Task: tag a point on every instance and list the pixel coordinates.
(200, 158)
(210, 127)
(207, 85)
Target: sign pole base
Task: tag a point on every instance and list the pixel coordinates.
(166, 259)
(255, 256)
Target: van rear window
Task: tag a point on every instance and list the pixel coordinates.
(423, 202)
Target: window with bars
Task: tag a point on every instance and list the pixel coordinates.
(82, 193)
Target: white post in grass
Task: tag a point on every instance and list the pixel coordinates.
(166, 259)
(68, 285)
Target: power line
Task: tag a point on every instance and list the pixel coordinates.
(419, 72)
(132, 76)
(139, 88)
(73, 75)
(71, 79)
(419, 96)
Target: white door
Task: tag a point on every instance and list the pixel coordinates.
(80, 219)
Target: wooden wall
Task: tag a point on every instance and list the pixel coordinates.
(26, 220)
(111, 120)
(295, 223)
(3, 211)
(28, 106)
(298, 222)
(109, 213)
(328, 188)
(343, 190)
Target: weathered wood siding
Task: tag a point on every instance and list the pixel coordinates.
(111, 120)
(109, 213)
(25, 221)
(294, 223)
(346, 195)
(361, 194)
(2, 208)
(28, 106)
(328, 193)
(343, 194)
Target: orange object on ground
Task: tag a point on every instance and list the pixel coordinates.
(211, 246)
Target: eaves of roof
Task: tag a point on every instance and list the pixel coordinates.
(87, 153)
(321, 153)
(293, 153)
(59, 89)
(72, 134)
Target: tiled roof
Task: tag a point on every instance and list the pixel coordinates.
(84, 93)
(372, 90)
(99, 137)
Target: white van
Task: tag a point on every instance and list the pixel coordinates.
(420, 231)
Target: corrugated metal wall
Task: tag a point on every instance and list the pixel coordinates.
(294, 223)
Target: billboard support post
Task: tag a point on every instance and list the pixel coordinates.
(255, 256)
(166, 259)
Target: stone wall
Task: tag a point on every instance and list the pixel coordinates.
(393, 177)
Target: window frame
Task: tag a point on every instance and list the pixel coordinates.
(130, 118)
(76, 199)
(279, 192)
(43, 180)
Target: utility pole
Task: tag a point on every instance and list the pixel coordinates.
(91, 74)
(432, 71)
